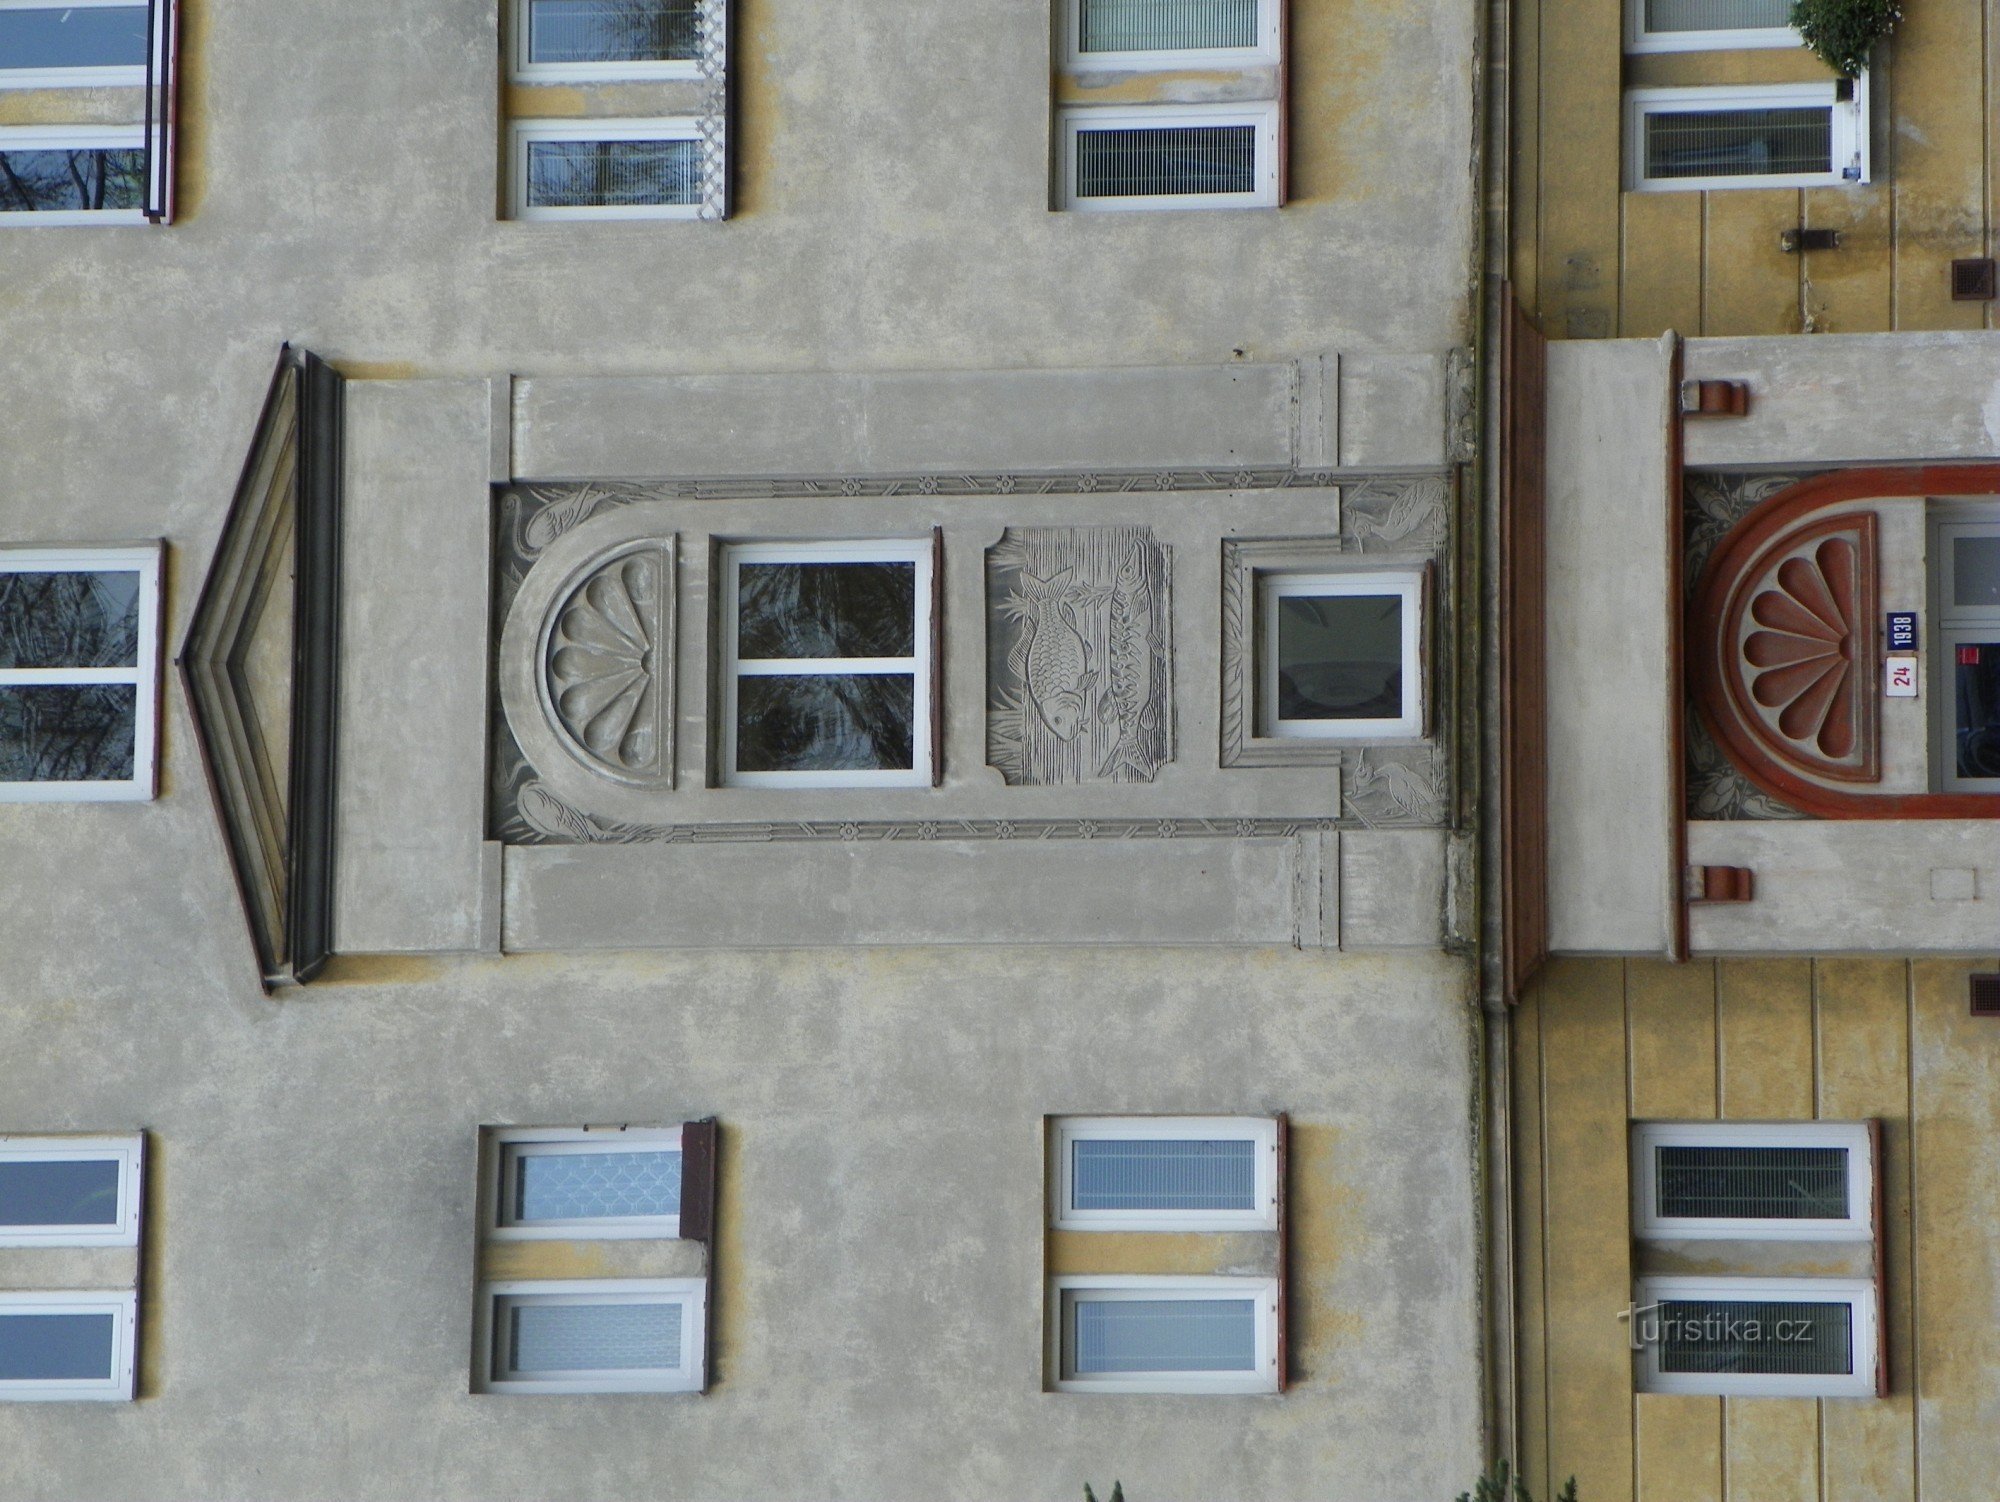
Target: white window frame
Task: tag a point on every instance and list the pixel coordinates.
(128, 1152)
(1062, 1302)
(1735, 38)
(1952, 626)
(144, 674)
(62, 138)
(496, 1297)
(1069, 1130)
(507, 1144)
(116, 1386)
(521, 132)
(1275, 585)
(1858, 1293)
(122, 75)
(922, 665)
(1071, 120)
(528, 71)
(1649, 1224)
(1849, 142)
(1266, 50)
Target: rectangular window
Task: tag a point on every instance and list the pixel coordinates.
(576, 1183)
(1193, 156)
(78, 673)
(1128, 34)
(585, 41)
(1339, 655)
(84, 43)
(72, 174)
(618, 1335)
(607, 169)
(1965, 568)
(828, 664)
(1776, 1337)
(1781, 136)
(1707, 25)
(1165, 1334)
(1164, 1173)
(57, 1347)
(1800, 1181)
(70, 1191)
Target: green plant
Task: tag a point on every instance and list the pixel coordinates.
(1117, 1492)
(1843, 32)
(1502, 1485)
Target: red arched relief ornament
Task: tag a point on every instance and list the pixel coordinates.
(1783, 655)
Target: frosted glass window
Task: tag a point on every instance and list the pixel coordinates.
(1143, 1174)
(591, 1186)
(1716, 15)
(1166, 1335)
(1167, 25)
(1975, 571)
(1753, 1183)
(620, 1336)
(44, 1192)
(592, 1335)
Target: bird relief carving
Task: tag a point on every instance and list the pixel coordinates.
(1079, 667)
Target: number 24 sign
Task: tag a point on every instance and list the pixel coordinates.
(1901, 682)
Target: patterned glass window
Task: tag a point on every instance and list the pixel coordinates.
(1146, 1333)
(592, 1335)
(575, 1183)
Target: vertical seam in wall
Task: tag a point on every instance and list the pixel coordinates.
(1819, 1424)
(1542, 1152)
(1818, 1082)
(1916, 1283)
(1718, 1042)
(1887, 91)
(1701, 291)
(1625, 1012)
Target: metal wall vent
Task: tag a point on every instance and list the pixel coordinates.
(1974, 280)
(1986, 995)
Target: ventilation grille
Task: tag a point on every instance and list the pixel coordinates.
(1753, 1183)
(1168, 25)
(1739, 143)
(1973, 279)
(607, 174)
(1756, 1338)
(1986, 995)
(1166, 161)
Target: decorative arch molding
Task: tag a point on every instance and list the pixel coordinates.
(1782, 651)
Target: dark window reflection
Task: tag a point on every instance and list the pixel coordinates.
(1738, 143)
(825, 723)
(601, 31)
(826, 610)
(59, 1192)
(68, 36)
(67, 732)
(1340, 657)
(1976, 678)
(69, 620)
(612, 174)
(98, 177)
(55, 1347)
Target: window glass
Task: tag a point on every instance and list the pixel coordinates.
(600, 31)
(1975, 689)
(64, 36)
(1163, 1174)
(76, 619)
(59, 1191)
(624, 1335)
(612, 174)
(1167, 25)
(1340, 657)
(75, 178)
(1738, 143)
(67, 733)
(1975, 571)
(1775, 1337)
(853, 722)
(1166, 160)
(1753, 1183)
(1124, 1336)
(1716, 15)
(826, 610)
(591, 1186)
(57, 1347)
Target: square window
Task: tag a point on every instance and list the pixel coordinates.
(1780, 136)
(581, 1336)
(78, 673)
(1157, 157)
(1128, 34)
(585, 41)
(1339, 655)
(70, 1191)
(1164, 1173)
(1748, 1337)
(1164, 1334)
(57, 1347)
(1801, 1181)
(83, 43)
(575, 1183)
(607, 169)
(828, 664)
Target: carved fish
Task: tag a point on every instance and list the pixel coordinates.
(1130, 699)
(1052, 658)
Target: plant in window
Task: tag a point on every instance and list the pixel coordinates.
(1844, 32)
(1501, 1485)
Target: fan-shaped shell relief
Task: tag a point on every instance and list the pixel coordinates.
(607, 668)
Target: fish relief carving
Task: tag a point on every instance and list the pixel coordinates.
(1079, 669)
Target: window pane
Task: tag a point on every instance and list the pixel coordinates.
(1753, 1183)
(55, 1347)
(586, 1186)
(1163, 1175)
(1340, 657)
(612, 31)
(612, 174)
(1764, 1337)
(97, 177)
(59, 1192)
(1160, 25)
(1975, 572)
(1716, 15)
(1165, 1335)
(594, 1337)
(826, 723)
(1166, 159)
(1739, 143)
(826, 610)
(68, 733)
(108, 36)
(1976, 690)
(69, 620)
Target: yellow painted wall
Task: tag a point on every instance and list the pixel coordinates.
(1592, 261)
(1601, 1042)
